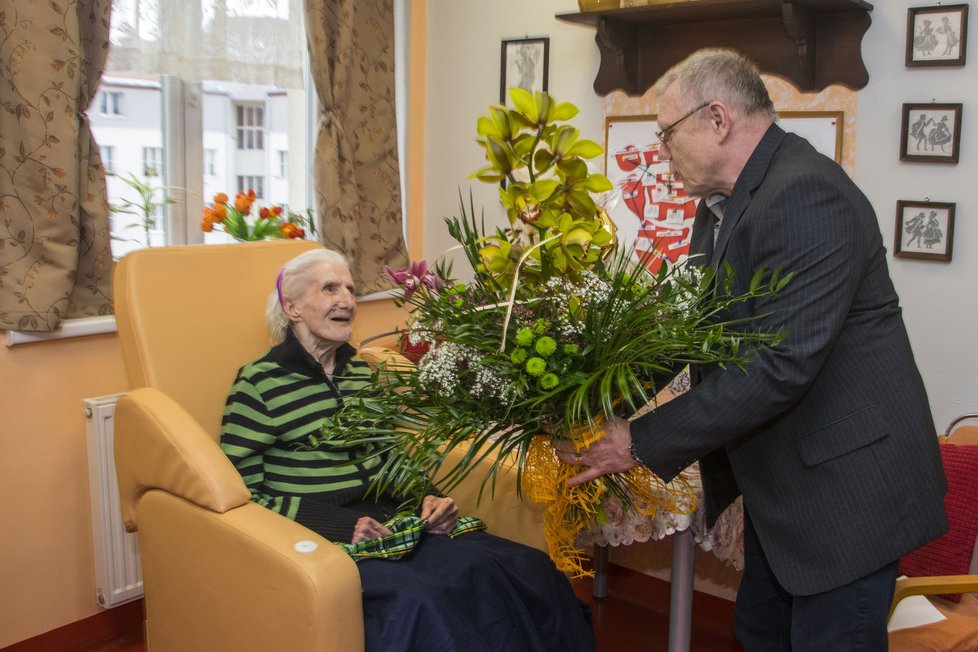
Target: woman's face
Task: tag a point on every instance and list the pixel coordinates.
(323, 312)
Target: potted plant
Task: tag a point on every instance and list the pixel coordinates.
(147, 207)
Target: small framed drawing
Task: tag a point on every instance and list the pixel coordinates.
(525, 63)
(924, 229)
(931, 133)
(937, 36)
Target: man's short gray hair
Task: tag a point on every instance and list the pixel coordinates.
(717, 74)
(291, 282)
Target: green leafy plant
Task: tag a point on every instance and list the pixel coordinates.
(151, 199)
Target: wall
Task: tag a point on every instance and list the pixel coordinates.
(938, 298)
(463, 43)
(46, 559)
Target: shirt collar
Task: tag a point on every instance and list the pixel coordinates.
(293, 356)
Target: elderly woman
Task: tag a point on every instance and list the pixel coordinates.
(471, 592)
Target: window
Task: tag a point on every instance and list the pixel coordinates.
(249, 182)
(248, 128)
(152, 161)
(110, 103)
(251, 126)
(283, 163)
(108, 156)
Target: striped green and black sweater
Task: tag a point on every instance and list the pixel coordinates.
(276, 402)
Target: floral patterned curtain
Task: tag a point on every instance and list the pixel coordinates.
(351, 48)
(55, 260)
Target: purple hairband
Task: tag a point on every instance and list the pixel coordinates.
(278, 288)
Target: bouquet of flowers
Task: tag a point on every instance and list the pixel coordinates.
(267, 222)
(559, 328)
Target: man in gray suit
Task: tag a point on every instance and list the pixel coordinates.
(828, 435)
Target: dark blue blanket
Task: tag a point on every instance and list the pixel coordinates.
(473, 593)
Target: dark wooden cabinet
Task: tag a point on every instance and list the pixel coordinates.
(812, 43)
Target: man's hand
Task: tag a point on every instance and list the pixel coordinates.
(367, 528)
(441, 514)
(610, 454)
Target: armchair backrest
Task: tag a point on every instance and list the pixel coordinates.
(189, 317)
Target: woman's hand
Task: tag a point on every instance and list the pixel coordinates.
(367, 528)
(441, 514)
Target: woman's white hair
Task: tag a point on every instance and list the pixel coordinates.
(291, 282)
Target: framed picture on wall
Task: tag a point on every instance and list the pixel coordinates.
(526, 64)
(823, 129)
(924, 230)
(931, 133)
(937, 36)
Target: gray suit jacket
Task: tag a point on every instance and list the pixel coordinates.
(829, 435)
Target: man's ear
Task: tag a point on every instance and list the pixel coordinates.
(719, 117)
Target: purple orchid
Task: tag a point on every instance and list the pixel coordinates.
(412, 279)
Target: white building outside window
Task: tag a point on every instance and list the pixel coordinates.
(283, 163)
(248, 182)
(251, 126)
(108, 158)
(111, 103)
(152, 161)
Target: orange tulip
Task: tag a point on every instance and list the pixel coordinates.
(242, 203)
(292, 231)
(264, 213)
(277, 210)
(220, 213)
(220, 198)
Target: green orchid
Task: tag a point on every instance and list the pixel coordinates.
(547, 192)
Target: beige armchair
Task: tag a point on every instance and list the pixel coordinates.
(220, 572)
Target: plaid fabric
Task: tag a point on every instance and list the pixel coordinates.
(406, 532)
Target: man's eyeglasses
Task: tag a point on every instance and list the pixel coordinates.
(665, 134)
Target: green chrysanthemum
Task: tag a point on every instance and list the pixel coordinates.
(524, 337)
(549, 381)
(546, 346)
(541, 326)
(571, 349)
(518, 356)
(536, 366)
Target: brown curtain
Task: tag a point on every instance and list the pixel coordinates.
(351, 48)
(55, 260)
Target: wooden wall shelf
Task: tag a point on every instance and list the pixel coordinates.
(812, 43)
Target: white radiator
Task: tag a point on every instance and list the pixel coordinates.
(117, 575)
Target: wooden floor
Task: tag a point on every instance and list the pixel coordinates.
(633, 617)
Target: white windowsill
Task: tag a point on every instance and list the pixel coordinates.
(69, 328)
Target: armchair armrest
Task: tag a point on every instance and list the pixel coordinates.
(235, 581)
(933, 585)
(159, 445)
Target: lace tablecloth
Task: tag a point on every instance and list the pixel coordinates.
(725, 539)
